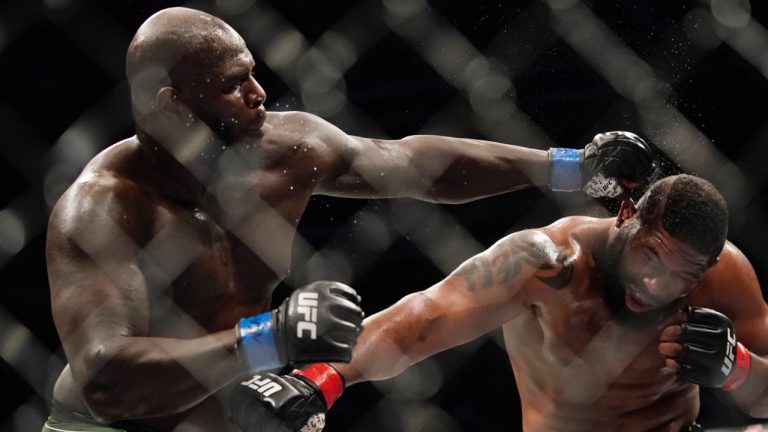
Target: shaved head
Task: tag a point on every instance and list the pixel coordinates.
(175, 46)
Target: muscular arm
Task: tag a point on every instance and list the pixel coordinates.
(427, 167)
(482, 294)
(735, 291)
(102, 298)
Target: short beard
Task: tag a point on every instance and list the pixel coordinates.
(609, 281)
(220, 130)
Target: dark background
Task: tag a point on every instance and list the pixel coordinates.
(63, 97)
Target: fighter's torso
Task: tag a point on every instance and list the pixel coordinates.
(220, 260)
(208, 265)
(578, 368)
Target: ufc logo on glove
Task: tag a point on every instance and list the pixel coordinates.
(307, 306)
(265, 386)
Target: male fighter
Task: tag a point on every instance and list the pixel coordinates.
(610, 324)
(164, 253)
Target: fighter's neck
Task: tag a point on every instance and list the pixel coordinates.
(179, 181)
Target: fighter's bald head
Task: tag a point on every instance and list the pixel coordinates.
(175, 45)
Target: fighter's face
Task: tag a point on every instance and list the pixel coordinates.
(650, 269)
(224, 94)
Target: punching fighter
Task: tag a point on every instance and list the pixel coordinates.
(164, 253)
(610, 324)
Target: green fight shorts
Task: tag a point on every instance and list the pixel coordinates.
(54, 425)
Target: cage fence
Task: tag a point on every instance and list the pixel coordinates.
(689, 76)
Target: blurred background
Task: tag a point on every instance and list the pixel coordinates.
(690, 76)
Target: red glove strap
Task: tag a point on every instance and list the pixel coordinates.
(327, 378)
(742, 369)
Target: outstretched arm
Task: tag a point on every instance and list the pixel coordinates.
(485, 292)
(455, 170)
(431, 168)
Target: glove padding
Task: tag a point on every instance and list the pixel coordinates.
(281, 403)
(318, 323)
(612, 158)
(709, 353)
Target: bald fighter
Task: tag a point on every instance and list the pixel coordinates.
(163, 254)
(610, 324)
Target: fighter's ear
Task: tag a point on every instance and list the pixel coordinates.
(626, 211)
(168, 101)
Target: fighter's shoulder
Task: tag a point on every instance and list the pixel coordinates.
(565, 231)
(303, 126)
(294, 120)
(730, 285)
(731, 263)
(98, 196)
(570, 223)
(535, 244)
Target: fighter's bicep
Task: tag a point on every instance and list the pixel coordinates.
(513, 262)
(367, 167)
(490, 288)
(98, 290)
(96, 296)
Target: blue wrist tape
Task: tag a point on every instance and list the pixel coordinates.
(566, 169)
(258, 343)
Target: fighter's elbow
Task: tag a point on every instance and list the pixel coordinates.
(102, 405)
(104, 388)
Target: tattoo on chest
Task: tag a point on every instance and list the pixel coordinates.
(497, 269)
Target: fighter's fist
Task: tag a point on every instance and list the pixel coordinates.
(704, 350)
(319, 322)
(614, 161)
(294, 402)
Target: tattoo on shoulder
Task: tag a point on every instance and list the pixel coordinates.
(507, 261)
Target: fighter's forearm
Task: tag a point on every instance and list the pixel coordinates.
(135, 377)
(388, 342)
(467, 169)
(752, 396)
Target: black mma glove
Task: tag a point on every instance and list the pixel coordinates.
(599, 169)
(614, 156)
(318, 322)
(294, 402)
(710, 356)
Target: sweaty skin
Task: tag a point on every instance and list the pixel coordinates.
(578, 365)
(168, 238)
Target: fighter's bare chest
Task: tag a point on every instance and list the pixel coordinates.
(586, 329)
(219, 267)
(590, 352)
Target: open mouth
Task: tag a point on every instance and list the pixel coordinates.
(635, 301)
